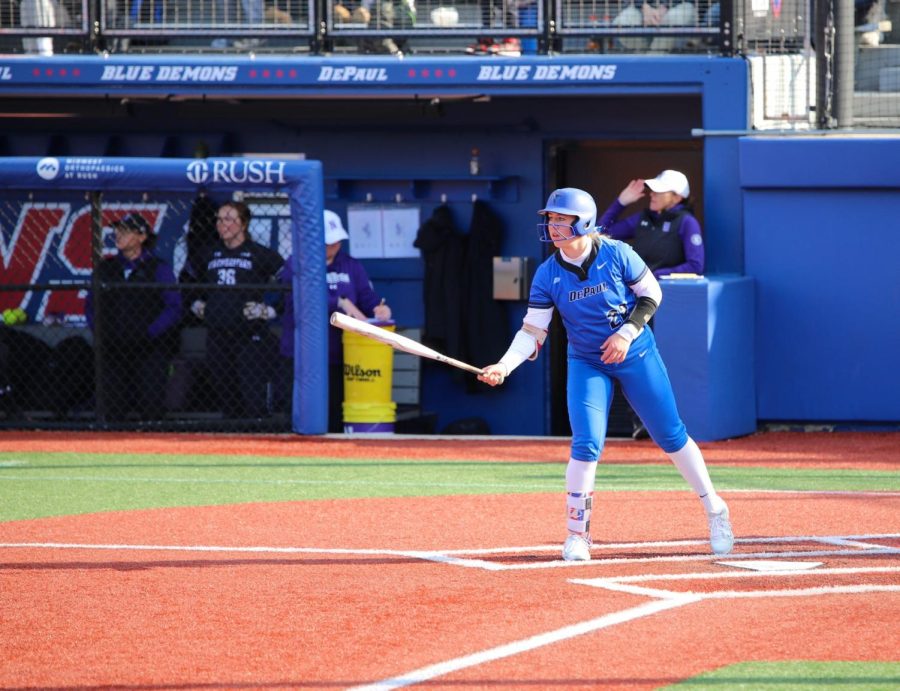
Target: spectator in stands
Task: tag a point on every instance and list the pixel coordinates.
(387, 15)
(226, 13)
(682, 14)
(349, 290)
(42, 13)
(240, 347)
(665, 235)
(138, 326)
(866, 16)
(713, 15)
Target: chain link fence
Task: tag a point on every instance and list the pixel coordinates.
(92, 340)
(821, 64)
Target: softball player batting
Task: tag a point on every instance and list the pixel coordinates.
(605, 295)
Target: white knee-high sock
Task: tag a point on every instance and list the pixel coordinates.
(579, 487)
(689, 461)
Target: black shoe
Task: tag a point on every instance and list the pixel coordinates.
(640, 432)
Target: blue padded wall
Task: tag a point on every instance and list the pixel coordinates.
(821, 242)
(705, 336)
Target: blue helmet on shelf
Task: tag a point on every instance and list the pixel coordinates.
(572, 202)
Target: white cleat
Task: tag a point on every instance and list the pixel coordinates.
(576, 548)
(721, 537)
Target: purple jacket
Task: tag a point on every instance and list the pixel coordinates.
(125, 269)
(346, 278)
(688, 231)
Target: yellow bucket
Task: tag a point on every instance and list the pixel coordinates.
(368, 418)
(368, 378)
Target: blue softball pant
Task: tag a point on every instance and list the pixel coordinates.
(645, 383)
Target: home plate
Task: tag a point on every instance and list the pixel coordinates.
(772, 565)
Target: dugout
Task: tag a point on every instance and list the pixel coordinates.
(408, 134)
(56, 230)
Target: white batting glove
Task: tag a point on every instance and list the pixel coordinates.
(258, 310)
(198, 307)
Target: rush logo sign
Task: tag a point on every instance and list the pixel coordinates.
(51, 243)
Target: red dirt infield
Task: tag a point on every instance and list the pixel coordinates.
(334, 594)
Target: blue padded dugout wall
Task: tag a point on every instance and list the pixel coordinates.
(821, 242)
(300, 180)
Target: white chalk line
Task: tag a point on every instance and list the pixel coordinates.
(455, 556)
(743, 574)
(440, 669)
(664, 600)
(853, 543)
(625, 584)
(600, 546)
(694, 557)
(612, 584)
(849, 542)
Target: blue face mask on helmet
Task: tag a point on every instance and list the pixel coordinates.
(571, 202)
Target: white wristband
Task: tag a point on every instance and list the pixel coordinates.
(521, 348)
(628, 331)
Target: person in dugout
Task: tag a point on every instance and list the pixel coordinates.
(138, 325)
(241, 350)
(351, 292)
(666, 234)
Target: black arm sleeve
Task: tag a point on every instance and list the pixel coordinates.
(642, 313)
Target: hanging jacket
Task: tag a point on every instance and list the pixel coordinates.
(443, 250)
(485, 319)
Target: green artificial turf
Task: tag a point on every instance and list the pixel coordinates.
(34, 485)
(799, 676)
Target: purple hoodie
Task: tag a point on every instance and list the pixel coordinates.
(346, 278)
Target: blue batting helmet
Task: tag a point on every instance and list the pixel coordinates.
(572, 202)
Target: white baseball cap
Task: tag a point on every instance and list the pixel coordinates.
(334, 230)
(670, 181)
